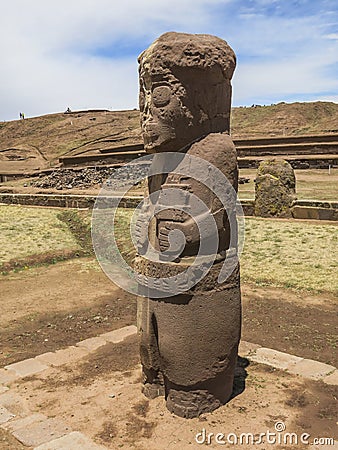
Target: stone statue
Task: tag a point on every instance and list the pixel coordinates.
(189, 341)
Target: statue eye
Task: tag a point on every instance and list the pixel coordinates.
(161, 95)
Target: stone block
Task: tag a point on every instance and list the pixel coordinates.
(311, 369)
(38, 433)
(120, 334)
(71, 441)
(247, 348)
(7, 376)
(275, 358)
(60, 357)
(5, 415)
(14, 403)
(14, 425)
(92, 344)
(332, 378)
(27, 367)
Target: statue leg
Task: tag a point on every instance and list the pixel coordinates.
(153, 385)
(198, 338)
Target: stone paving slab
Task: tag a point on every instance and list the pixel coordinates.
(27, 367)
(274, 358)
(6, 376)
(14, 425)
(120, 334)
(332, 379)
(60, 357)
(309, 368)
(92, 344)
(14, 402)
(247, 348)
(38, 433)
(5, 415)
(72, 441)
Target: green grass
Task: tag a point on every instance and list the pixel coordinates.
(288, 254)
(295, 255)
(26, 231)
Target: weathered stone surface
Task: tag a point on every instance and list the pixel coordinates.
(38, 433)
(275, 186)
(27, 367)
(312, 369)
(332, 378)
(61, 201)
(313, 212)
(189, 341)
(3, 389)
(92, 344)
(14, 425)
(72, 441)
(5, 415)
(14, 402)
(120, 334)
(275, 358)
(61, 357)
(6, 376)
(247, 348)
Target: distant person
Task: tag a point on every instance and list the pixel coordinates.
(68, 110)
(22, 115)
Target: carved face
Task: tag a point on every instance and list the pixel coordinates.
(164, 115)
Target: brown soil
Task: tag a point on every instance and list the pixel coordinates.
(101, 397)
(291, 322)
(48, 308)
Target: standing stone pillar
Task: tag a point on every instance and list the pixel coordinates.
(275, 189)
(189, 337)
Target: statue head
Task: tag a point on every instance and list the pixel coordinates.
(185, 89)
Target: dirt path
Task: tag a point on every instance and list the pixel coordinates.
(47, 308)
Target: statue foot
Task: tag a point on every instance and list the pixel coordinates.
(153, 390)
(192, 403)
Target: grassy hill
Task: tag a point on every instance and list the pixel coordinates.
(37, 143)
(285, 119)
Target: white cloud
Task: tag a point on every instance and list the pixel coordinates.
(50, 57)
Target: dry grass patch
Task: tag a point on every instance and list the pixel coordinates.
(26, 231)
(290, 254)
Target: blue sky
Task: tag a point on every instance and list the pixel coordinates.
(83, 53)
